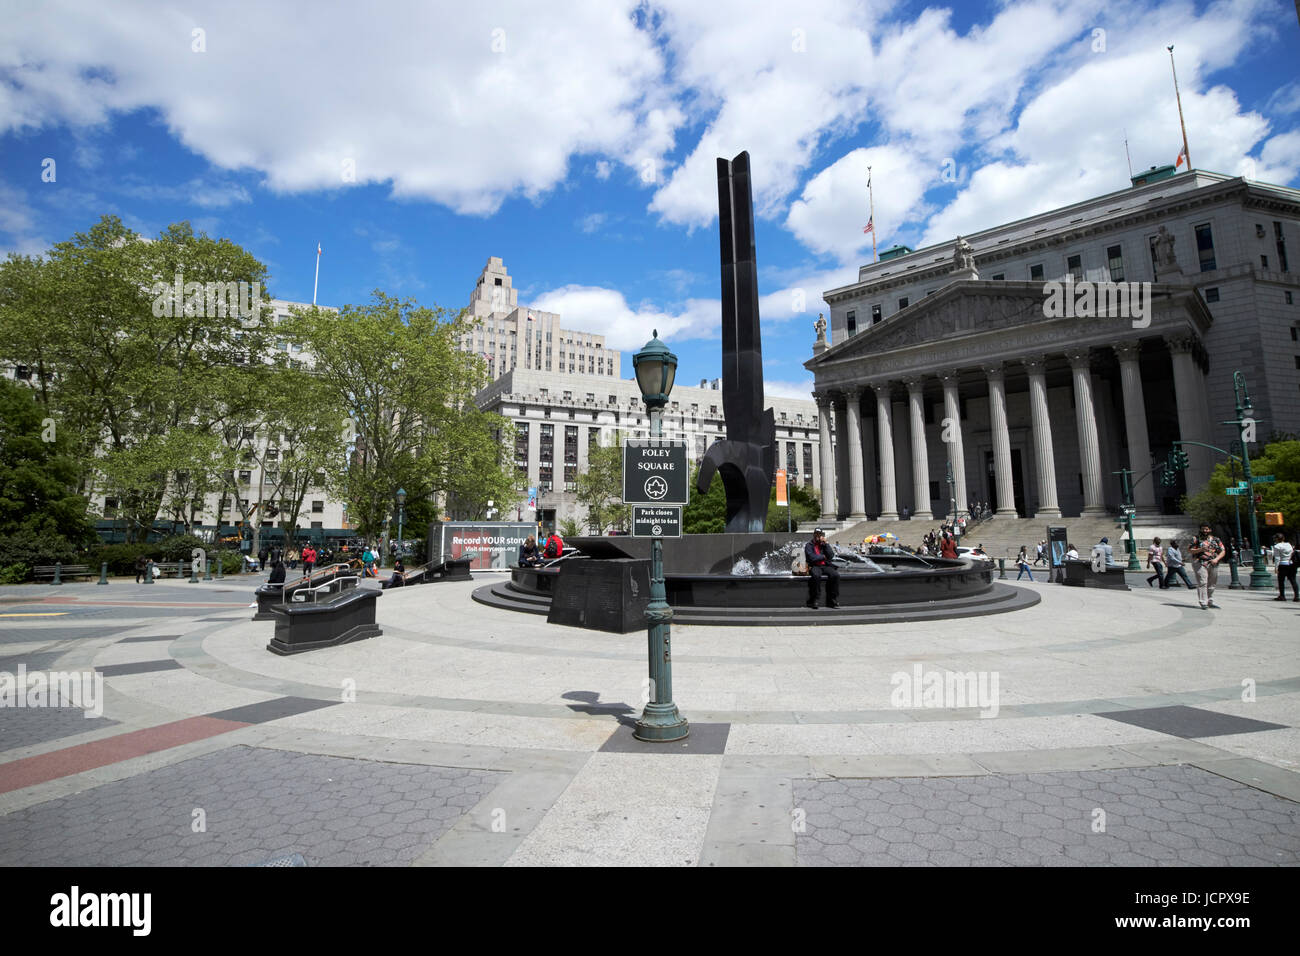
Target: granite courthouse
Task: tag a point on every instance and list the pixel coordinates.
(955, 356)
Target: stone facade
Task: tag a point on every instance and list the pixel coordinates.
(565, 414)
(969, 366)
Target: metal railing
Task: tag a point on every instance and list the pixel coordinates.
(300, 595)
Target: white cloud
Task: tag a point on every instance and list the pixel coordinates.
(779, 389)
(18, 224)
(592, 221)
(462, 109)
(606, 312)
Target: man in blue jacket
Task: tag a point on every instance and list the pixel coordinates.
(819, 554)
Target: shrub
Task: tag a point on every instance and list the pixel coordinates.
(121, 557)
(27, 549)
(14, 573)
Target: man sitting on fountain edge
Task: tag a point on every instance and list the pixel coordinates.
(819, 555)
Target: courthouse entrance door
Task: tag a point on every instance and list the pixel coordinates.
(1017, 481)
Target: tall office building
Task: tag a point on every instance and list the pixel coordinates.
(509, 336)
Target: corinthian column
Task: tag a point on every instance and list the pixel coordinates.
(1001, 440)
(1135, 423)
(951, 436)
(920, 453)
(857, 497)
(827, 455)
(1085, 420)
(1044, 458)
(841, 460)
(885, 429)
(1193, 422)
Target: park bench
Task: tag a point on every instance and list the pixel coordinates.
(1080, 574)
(47, 571)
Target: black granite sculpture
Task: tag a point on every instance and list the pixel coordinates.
(746, 458)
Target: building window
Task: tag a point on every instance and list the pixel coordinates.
(807, 463)
(1205, 247)
(1036, 273)
(1115, 261)
(245, 477)
(851, 321)
(318, 507)
(22, 373)
(1074, 266)
(1297, 365)
(570, 445)
(902, 303)
(1290, 300)
(547, 453)
(318, 524)
(110, 507)
(545, 479)
(1212, 295)
(875, 314)
(593, 439)
(999, 277)
(1263, 262)
(1281, 247)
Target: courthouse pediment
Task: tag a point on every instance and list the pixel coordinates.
(971, 321)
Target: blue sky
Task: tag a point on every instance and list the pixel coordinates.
(577, 141)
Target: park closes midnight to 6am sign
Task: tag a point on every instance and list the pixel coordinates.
(655, 472)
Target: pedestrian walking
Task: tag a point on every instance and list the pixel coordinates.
(1284, 564)
(1174, 565)
(1022, 562)
(141, 568)
(1208, 552)
(308, 560)
(1040, 553)
(1156, 560)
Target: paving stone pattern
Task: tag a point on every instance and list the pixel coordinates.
(259, 804)
(1157, 816)
(26, 726)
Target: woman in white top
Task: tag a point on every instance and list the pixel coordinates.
(1156, 559)
(1284, 563)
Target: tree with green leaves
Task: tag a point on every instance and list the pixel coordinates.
(706, 513)
(395, 369)
(804, 506)
(148, 339)
(600, 487)
(1281, 459)
(42, 517)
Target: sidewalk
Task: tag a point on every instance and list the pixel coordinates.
(469, 735)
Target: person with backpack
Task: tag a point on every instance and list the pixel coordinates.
(1022, 562)
(554, 546)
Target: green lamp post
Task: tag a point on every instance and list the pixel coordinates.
(401, 516)
(1125, 476)
(1234, 553)
(656, 367)
(1259, 576)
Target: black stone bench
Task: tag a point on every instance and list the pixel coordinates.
(270, 595)
(1080, 574)
(304, 626)
(58, 571)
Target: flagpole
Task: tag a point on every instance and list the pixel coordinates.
(871, 200)
(1127, 155)
(1179, 98)
(315, 285)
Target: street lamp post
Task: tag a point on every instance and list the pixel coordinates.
(401, 517)
(656, 367)
(1234, 554)
(1127, 488)
(1259, 576)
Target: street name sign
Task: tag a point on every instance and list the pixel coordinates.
(1234, 491)
(656, 521)
(1263, 479)
(655, 472)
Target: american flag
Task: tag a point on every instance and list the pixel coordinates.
(870, 226)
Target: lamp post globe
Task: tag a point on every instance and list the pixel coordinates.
(660, 722)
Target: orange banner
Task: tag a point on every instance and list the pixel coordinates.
(781, 497)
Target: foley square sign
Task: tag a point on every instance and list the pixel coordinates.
(655, 472)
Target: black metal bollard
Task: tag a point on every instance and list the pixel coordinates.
(58, 573)
(148, 572)
(1002, 568)
(103, 572)
(207, 568)
(220, 576)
